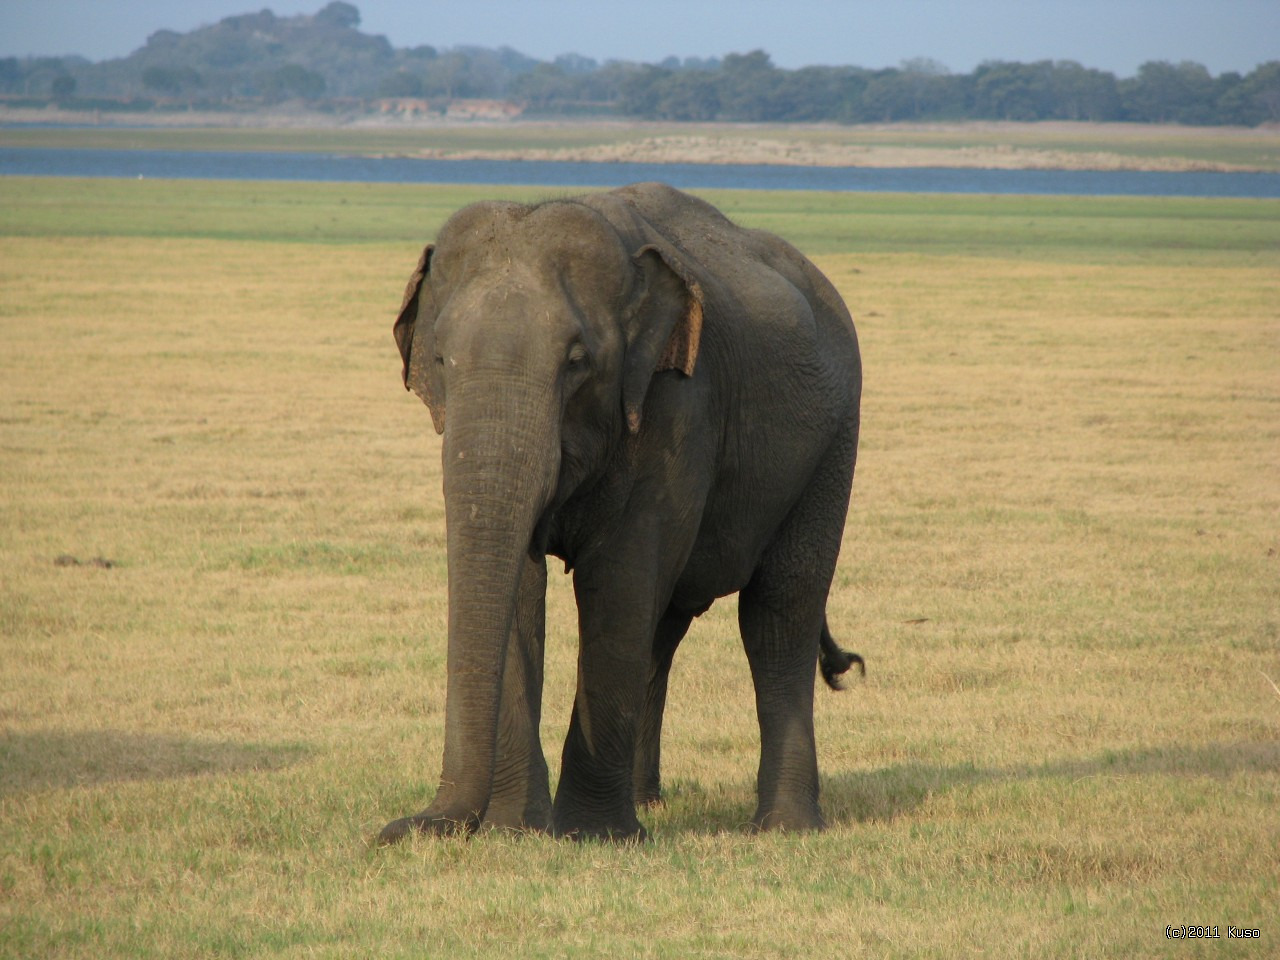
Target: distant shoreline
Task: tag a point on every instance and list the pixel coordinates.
(776, 152)
(623, 141)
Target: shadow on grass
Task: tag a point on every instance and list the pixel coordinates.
(45, 759)
(893, 791)
(884, 794)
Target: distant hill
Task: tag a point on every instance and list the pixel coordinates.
(260, 59)
(261, 56)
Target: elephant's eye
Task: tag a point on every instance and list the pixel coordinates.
(578, 356)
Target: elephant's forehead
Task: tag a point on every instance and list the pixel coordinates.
(551, 240)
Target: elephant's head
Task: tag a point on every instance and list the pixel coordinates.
(532, 334)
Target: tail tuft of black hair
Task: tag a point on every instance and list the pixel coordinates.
(834, 662)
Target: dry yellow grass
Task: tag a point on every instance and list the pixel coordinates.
(1061, 564)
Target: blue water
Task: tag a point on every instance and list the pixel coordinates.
(172, 164)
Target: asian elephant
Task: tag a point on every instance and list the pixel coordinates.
(668, 403)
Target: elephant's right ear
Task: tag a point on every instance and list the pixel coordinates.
(417, 345)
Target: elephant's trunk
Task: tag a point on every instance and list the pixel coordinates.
(501, 458)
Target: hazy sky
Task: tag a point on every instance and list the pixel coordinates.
(1115, 35)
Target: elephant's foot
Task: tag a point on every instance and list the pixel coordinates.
(648, 794)
(425, 823)
(633, 835)
(790, 818)
(615, 824)
(520, 815)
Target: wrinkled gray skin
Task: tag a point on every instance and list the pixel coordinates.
(668, 403)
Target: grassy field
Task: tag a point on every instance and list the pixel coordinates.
(222, 598)
(1254, 148)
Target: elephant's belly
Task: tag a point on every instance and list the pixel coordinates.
(697, 589)
(746, 507)
(719, 565)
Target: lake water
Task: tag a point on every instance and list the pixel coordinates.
(166, 164)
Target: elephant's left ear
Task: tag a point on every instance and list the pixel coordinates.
(417, 346)
(667, 329)
(409, 312)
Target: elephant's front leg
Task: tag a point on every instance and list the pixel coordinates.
(616, 622)
(521, 798)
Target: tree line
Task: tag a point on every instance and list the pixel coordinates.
(749, 87)
(323, 58)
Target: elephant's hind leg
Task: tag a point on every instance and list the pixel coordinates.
(648, 779)
(782, 614)
(781, 639)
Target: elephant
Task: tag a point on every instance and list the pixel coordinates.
(668, 403)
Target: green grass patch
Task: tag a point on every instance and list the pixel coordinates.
(1097, 230)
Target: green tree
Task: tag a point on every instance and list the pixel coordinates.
(606, 84)
(1260, 94)
(886, 97)
(40, 73)
(341, 15)
(748, 84)
(63, 87)
(1164, 92)
(292, 80)
(543, 88)
(930, 90)
(850, 89)
(573, 64)
(11, 75)
(171, 81)
(448, 76)
(809, 94)
(639, 92)
(687, 95)
(402, 83)
(1083, 94)
(1013, 91)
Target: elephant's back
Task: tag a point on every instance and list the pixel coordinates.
(671, 210)
(770, 313)
(733, 258)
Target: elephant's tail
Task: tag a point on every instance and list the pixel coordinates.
(834, 661)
